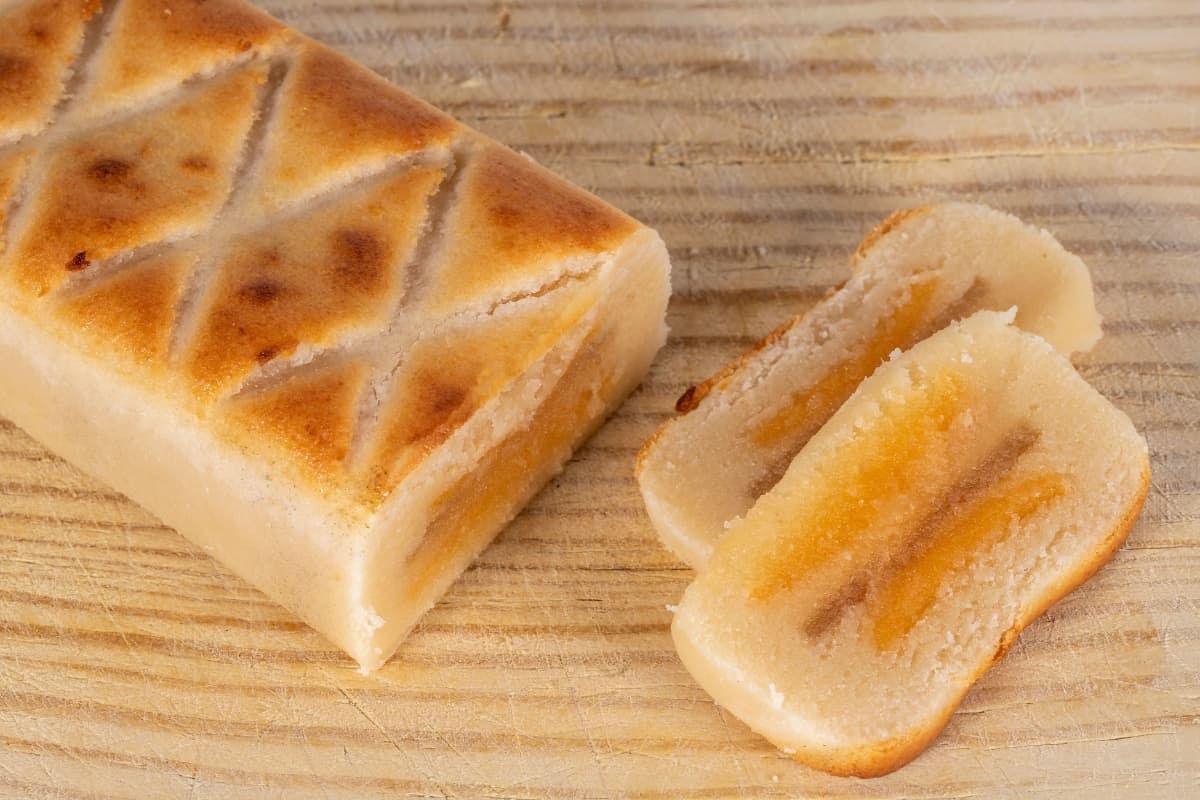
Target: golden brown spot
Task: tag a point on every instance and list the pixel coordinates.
(130, 314)
(309, 279)
(689, 400)
(99, 194)
(434, 399)
(359, 257)
(20, 82)
(155, 44)
(186, 26)
(343, 91)
(78, 262)
(908, 451)
(312, 416)
(969, 531)
(261, 291)
(527, 207)
(11, 66)
(335, 116)
(37, 41)
(442, 407)
(109, 170)
(196, 164)
(516, 223)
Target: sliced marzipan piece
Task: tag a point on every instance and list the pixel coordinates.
(919, 270)
(964, 488)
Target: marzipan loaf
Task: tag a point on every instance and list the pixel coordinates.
(321, 328)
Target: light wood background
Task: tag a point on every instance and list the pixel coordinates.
(763, 139)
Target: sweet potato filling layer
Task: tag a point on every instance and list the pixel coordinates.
(909, 592)
(867, 496)
(809, 409)
(473, 508)
(900, 508)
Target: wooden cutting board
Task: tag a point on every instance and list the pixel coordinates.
(763, 138)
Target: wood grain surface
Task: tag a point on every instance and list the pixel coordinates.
(763, 139)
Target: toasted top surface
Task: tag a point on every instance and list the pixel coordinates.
(514, 228)
(132, 183)
(38, 43)
(963, 487)
(309, 278)
(325, 101)
(153, 46)
(272, 237)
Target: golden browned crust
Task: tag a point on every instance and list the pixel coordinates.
(893, 221)
(517, 223)
(307, 281)
(885, 757)
(155, 45)
(335, 116)
(37, 45)
(211, 307)
(307, 422)
(133, 313)
(133, 184)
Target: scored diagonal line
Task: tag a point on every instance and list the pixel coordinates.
(60, 131)
(212, 241)
(87, 51)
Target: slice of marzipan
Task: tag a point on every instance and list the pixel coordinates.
(966, 486)
(919, 270)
